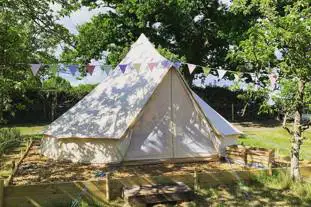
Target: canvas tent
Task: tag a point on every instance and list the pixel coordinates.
(139, 115)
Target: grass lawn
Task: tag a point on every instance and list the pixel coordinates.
(29, 129)
(273, 137)
(263, 190)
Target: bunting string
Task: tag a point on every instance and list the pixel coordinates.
(152, 65)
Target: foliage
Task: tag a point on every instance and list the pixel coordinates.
(56, 83)
(288, 93)
(9, 137)
(193, 29)
(28, 34)
(285, 27)
(50, 103)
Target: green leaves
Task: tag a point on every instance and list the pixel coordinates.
(190, 29)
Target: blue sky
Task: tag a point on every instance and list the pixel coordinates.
(71, 22)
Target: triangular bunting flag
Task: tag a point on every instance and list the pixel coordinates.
(123, 67)
(35, 68)
(90, 69)
(206, 70)
(137, 66)
(273, 78)
(191, 67)
(166, 64)
(177, 64)
(106, 68)
(236, 77)
(152, 65)
(254, 77)
(73, 69)
(221, 73)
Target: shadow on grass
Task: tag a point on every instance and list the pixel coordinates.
(268, 124)
(250, 194)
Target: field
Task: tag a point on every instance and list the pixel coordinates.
(272, 136)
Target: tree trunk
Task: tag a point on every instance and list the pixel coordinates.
(297, 133)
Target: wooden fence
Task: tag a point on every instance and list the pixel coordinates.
(63, 194)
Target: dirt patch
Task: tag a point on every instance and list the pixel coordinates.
(36, 168)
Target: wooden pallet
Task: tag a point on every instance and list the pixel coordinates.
(154, 194)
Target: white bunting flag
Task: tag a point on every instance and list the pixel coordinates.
(191, 67)
(254, 77)
(273, 78)
(35, 68)
(221, 73)
(236, 77)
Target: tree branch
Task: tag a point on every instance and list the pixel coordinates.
(305, 126)
(284, 124)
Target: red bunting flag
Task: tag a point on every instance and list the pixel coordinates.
(90, 69)
(152, 65)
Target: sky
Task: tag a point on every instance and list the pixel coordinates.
(71, 22)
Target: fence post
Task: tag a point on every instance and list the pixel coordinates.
(1, 193)
(195, 176)
(108, 197)
(232, 112)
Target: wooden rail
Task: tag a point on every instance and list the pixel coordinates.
(63, 194)
(23, 155)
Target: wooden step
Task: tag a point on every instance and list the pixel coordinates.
(155, 194)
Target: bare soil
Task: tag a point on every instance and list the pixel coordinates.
(36, 168)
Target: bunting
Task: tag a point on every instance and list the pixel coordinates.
(206, 70)
(191, 67)
(273, 78)
(122, 67)
(177, 64)
(152, 65)
(106, 68)
(73, 69)
(166, 64)
(137, 66)
(90, 69)
(35, 68)
(221, 73)
(237, 76)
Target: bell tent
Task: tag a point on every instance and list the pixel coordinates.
(144, 112)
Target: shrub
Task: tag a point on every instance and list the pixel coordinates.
(9, 137)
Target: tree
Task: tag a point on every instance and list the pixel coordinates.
(28, 34)
(284, 26)
(189, 28)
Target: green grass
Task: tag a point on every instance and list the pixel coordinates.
(274, 137)
(29, 129)
(262, 190)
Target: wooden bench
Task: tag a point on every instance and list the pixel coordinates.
(154, 194)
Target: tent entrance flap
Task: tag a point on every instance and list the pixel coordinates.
(152, 134)
(170, 126)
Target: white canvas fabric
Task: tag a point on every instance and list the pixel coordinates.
(113, 105)
(144, 115)
(222, 126)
